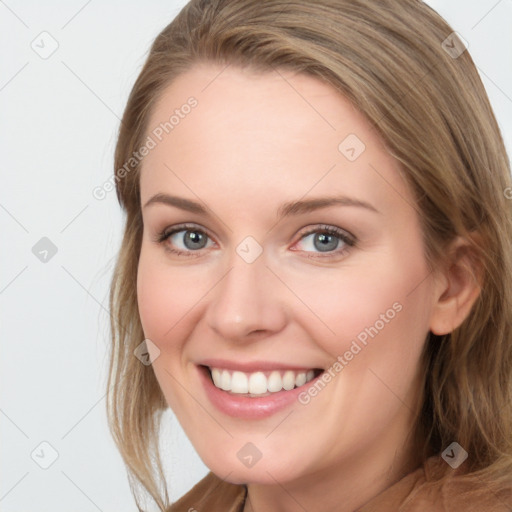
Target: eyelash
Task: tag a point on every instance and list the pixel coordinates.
(347, 239)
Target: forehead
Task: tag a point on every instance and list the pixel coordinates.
(263, 134)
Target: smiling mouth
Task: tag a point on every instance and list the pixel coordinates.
(260, 383)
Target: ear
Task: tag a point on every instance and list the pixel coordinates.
(457, 286)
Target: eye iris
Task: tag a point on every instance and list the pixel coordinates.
(323, 242)
(194, 237)
(327, 242)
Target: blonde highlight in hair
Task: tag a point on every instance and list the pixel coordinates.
(434, 116)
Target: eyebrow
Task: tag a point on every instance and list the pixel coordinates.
(289, 208)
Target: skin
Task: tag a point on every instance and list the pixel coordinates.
(253, 142)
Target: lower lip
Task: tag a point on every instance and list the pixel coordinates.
(241, 406)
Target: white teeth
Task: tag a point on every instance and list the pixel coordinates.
(259, 383)
(275, 382)
(216, 376)
(289, 380)
(239, 383)
(300, 380)
(225, 381)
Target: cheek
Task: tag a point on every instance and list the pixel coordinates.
(166, 299)
(379, 302)
(166, 302)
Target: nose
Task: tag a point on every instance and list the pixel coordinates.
(247, 303)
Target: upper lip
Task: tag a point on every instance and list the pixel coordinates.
(253, 366)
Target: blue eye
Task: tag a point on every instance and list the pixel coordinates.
(191, 239)
(322, 241)
(328, 240)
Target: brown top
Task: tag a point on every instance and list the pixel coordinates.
(416, 492)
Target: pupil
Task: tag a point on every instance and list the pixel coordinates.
(194, 238)
(327, 242)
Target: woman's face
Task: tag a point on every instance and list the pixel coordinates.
(299, 250)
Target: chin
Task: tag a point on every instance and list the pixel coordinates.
(265, 471)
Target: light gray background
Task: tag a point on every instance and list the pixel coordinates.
(59, 119)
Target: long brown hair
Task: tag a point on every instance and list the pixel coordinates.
(395, 62)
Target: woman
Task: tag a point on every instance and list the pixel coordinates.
(315, 274)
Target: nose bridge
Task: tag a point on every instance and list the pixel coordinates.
(247, 299)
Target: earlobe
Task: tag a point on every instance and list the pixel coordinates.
(457, 288)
